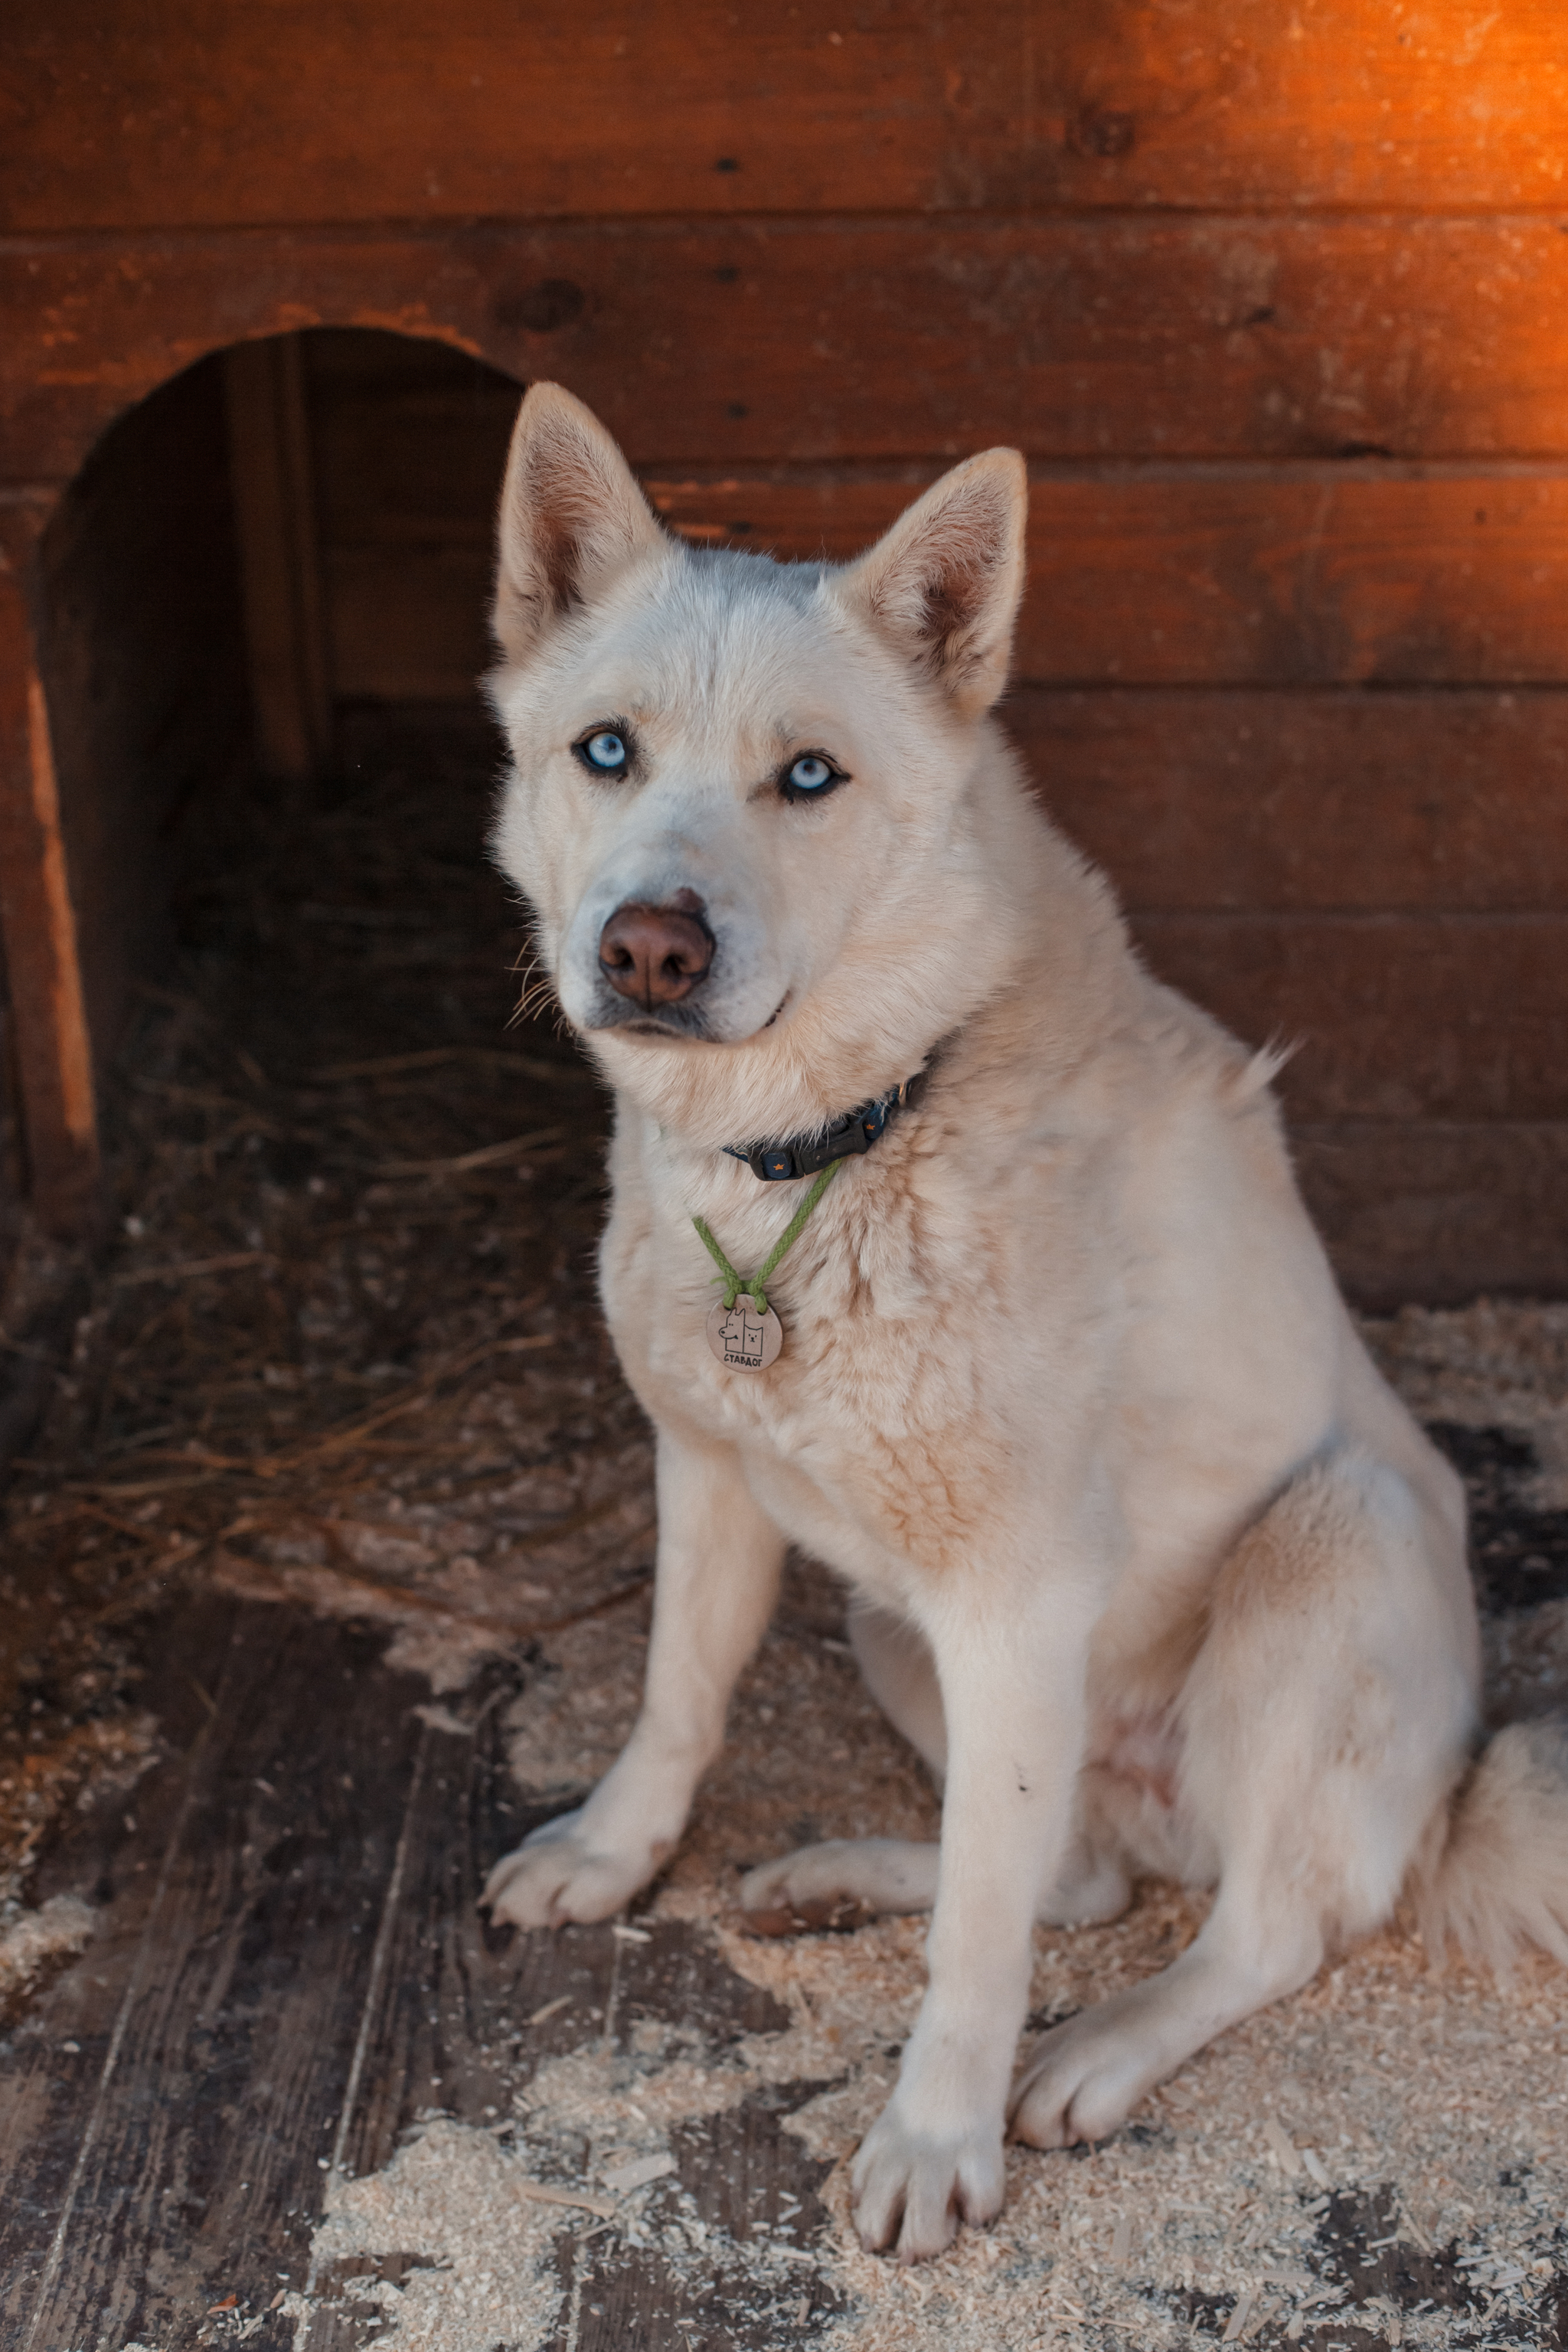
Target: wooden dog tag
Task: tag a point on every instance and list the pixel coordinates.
(740, 1337)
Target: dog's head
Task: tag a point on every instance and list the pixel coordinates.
(740, 802)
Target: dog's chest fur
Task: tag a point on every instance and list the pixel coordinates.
(974, 1348)
(868, 1440)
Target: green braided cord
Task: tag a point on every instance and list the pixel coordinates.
(727, 1274)
(734, 1284)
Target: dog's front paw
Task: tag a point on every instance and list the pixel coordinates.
(912, 2186)
(560, 1873)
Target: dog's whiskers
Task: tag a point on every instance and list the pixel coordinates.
(538, 989)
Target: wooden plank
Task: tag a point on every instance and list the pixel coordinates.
(1321, 575)
(284, 113)
(287, 114)
(1346, 102)
(827, 339)
(1067, 338)
(1396, 1016)
(1195, 799)
(290, 1969)
(272, 480)
(48, 1027)
(212, 2057)
(1443, 1211)
(1327, 576)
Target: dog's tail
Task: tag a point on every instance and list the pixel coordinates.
(1494, 1874)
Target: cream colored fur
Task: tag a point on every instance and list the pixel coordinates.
(1146, 1559)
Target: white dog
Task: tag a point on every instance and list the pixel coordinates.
(1147, 1561)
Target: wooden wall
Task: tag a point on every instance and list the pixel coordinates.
(408, 442)
(1272, 293)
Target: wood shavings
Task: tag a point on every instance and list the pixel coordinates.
(1282, 2146)
(30, 1940)
(541, 2192)
(625, 2177)
(451, 2196)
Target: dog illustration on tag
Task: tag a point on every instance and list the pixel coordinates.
(742, 1339)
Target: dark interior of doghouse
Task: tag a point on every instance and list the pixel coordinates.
(287, 537)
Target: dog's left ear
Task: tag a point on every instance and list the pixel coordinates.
(944, 584)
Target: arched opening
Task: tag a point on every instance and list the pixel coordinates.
(263, 609)
(253, 567)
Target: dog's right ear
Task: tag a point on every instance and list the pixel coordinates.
(572, 518)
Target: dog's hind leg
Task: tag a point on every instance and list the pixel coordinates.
(895, 1659)
(845, 1880)
(839, 1884)
(1322, 1723)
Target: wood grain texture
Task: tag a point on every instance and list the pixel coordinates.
(48, 1030)
(1439, 1211)
(1329, 576)
(290, 1969)
(1393, 1016)
(814, 339)
(1071, 337)
(272, 486)
(215, 2023)
(284, 113)
(1344, 800)
(1320, 575)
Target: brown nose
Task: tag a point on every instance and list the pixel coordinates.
(655, 955)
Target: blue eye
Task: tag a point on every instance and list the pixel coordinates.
(605, 752)
(812, 775)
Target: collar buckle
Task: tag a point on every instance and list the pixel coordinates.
(848, 1137)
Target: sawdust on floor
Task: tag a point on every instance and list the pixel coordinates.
(1383, 2098)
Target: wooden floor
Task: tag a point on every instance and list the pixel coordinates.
(292, 1972)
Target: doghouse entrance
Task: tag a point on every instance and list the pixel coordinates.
(288, 535)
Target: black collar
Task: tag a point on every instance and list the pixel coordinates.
(853, 1131)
